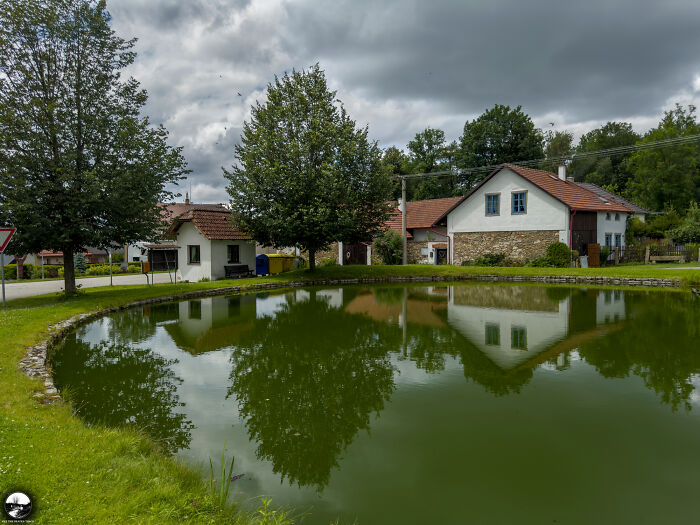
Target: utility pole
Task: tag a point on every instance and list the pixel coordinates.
(404, 259)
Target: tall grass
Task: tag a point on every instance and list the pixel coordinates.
(220, 494)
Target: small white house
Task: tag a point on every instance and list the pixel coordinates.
(207, 244)
(520, 211)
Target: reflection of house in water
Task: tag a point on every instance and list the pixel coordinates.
(521, 326)
(213, 322)
(422, 306)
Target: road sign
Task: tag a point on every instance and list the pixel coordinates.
(5, 236)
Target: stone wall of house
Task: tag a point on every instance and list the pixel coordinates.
(519, 245)
(413, 251)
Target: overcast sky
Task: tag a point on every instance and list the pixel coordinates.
(400, 66)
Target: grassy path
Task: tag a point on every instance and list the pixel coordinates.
(82, 474)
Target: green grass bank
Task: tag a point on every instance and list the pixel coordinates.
(82, 474)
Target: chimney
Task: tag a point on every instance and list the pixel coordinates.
(187, 198)
(569, 179)
(562, 172)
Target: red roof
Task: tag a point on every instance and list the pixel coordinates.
(570, 193)
(422, 214)
(215, 224)
(175, 209)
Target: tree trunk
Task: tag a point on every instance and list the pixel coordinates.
(312, 260)
(68, 271)
(20, 266)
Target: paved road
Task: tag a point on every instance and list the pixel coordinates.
(15, 290)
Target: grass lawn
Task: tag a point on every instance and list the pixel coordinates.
(98, 475)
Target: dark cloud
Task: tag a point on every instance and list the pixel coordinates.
(401, 65)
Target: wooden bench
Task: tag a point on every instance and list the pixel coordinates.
(237, 271)
(667, 258)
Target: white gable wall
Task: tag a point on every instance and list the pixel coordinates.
(544, 212)
(188, 234)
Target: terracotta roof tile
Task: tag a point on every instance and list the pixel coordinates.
(422, 214)
(215, 224)
(570, 193)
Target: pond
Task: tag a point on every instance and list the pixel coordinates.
(422, 404)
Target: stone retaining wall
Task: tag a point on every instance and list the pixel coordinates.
(34, 362)
(518, 245)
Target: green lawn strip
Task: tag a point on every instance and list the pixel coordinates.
(93, 474)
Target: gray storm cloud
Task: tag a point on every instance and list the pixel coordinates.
(400, 66)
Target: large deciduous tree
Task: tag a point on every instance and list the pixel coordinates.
(499, 135)
(305, 174)
(605, 171)
(671, 175)
(79, 165)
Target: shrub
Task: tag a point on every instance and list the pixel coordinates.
(559, 254)
(604, 254)
(689, 230)
(331, 260)
(389, 247)
(79, 263)
(540, 262)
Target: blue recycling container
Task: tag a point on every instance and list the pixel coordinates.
(262, 264)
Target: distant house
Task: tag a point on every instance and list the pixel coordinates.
(163, 254)
(426, 229)
(92, 256)
(207, 243)
(520, 211)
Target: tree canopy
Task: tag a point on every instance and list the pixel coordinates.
(80, 166)
(498, 135)
(305, 174)
(668, 175)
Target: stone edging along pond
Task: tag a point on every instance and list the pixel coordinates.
(34, 362)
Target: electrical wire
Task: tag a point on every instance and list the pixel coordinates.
(620, 150)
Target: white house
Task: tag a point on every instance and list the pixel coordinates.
(207, 243)
(520, 211)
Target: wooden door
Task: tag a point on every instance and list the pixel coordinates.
(584, 231)
(354, 254)
(593, 255)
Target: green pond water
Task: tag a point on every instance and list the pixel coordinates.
(427, 404)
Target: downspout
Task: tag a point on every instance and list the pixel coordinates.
(448, 243)
(571, 229)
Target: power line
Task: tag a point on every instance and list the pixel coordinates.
(677, 141)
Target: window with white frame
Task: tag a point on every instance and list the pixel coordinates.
(608, 240)
(618, 240)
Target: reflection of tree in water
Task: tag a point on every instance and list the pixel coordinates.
(138, 324)
(306, 381)
(115, 384)
(659, 344)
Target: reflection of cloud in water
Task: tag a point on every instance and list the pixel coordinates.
(269, 306)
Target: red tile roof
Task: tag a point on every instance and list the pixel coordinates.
(422, 214)
(570, 193)
(175, 209)
(215, 224)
